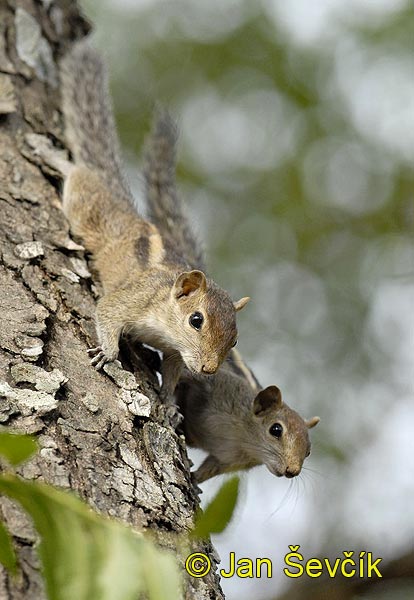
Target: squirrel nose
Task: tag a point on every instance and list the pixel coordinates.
(208, 369)
(291, 472)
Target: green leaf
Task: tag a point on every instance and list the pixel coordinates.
(90, 557)
(7, 554)
(218, 513)
(17, 448)
(160, 580)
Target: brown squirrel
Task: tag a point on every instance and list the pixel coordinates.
(152, 291)
(228, 415)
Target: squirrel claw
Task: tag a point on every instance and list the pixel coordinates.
(194, 481)
(94, 351)
(172, 416)
(99, 358)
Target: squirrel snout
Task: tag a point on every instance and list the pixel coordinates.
(292, 472)
(209, 369)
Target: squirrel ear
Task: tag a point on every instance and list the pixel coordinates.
(312, 422)
(189, 282)
(241, 303)
(267, 399)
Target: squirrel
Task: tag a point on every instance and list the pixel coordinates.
(151, 291)
(240, 426)
(228, 415)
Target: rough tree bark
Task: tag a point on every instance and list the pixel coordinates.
(99, 433)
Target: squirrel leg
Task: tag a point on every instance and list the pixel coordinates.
(172, 366)
(109, 331)
(51, 156)
(210, 467)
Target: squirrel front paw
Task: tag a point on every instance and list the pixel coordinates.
(172, 416)
(99, 358)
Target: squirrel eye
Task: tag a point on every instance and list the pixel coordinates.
(235, 343)
(196, 320)
(276, 430)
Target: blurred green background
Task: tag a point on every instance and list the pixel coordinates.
(296, 162)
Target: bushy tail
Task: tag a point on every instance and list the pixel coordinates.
(165, 208)
(87, 107)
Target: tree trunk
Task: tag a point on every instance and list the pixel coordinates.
(98, 432)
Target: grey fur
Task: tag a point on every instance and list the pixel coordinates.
(220, 417)
(165, 208)
(91, 133)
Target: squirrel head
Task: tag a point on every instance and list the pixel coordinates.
(205, 318)
(282, 434)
